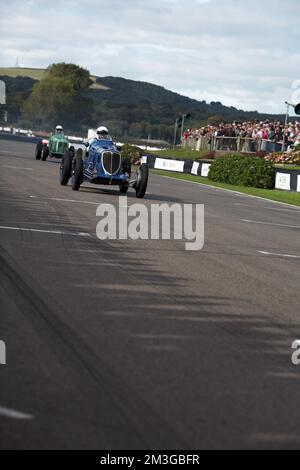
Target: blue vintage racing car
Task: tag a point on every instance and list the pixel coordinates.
(102, 163)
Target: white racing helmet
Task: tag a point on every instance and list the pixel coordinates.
(58, 129)
(101, 132)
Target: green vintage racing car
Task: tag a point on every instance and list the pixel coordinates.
(54, 147)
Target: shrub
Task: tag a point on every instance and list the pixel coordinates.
(243, 171)
(132, 152)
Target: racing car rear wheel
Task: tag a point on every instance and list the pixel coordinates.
(77, 173)
(38, 150)
(142, 180)
(65, 168)
(45, 152)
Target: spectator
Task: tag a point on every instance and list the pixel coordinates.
(254, 135)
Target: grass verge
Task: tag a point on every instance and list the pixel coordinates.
(36, 74)
(272, 194)
(285, 166)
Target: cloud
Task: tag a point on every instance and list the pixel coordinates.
(240, 53)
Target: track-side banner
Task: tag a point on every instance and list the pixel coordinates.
(205, 169)
(195, 168)
(170, 165)
(283, 181)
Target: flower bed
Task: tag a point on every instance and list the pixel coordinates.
(292, 157)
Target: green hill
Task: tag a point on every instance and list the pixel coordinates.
(35, 74)
(38, 74)
(130, 108)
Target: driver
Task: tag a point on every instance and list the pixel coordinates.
(102, 133)
(58, 129)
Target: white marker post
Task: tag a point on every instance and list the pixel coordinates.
(2, 92)
(2, 352)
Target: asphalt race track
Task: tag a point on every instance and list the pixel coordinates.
(140, 344)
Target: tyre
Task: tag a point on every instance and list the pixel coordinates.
(38, 150)
(142, 181)
(79, 152)
(45, 152)
(77, 173)
(72, 151)
(126, 165)
(65, 168)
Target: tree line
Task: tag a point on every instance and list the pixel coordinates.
(130, 109)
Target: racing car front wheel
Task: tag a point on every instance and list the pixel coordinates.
(72, 150)
(77, 173)
(65, 168)
(45, 152)
(38, 150)
(142, 180)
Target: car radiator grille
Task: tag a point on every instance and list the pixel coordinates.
(111, 162)
(61, 147)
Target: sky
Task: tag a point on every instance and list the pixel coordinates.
(243, 53)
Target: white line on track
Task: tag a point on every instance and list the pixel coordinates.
(58, 199)
(292, 209)
(52, 232)
(285, 209)
(268, 253)
(269, 223)
(17, 167)
(244, 204)
(73, 200)
(282, 209)
(14, 414)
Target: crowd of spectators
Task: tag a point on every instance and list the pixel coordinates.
(255, 135)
